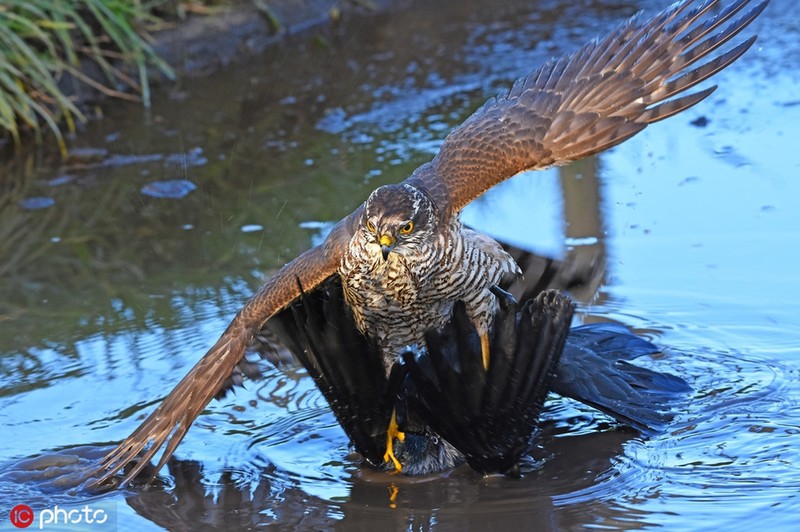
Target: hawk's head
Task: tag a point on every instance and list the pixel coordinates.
(398, 218)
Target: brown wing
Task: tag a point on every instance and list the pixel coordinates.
(589, 101)
(172, 418)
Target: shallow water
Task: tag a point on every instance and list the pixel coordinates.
(122, 266)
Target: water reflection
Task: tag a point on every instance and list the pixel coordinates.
(378, 499)
(688, 233)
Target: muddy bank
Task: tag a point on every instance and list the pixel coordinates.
(203, 44)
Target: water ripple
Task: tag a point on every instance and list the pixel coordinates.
(733, 446)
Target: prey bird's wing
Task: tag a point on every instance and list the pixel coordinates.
(589, 101)
(172, 418)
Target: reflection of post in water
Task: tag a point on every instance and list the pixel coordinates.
(583, 227)
(582, 267)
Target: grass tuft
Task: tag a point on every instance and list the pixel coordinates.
(43, 43)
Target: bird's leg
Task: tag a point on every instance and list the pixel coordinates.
(391, 433)
(485, 350)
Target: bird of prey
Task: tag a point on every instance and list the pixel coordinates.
(404, 258)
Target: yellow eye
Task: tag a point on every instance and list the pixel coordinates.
(370, 227)
(407, 228)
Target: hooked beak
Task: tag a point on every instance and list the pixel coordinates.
(387, 244)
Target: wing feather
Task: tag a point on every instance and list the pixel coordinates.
(589, 101)
(170, 421)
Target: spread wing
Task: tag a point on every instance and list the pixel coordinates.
(588, 101)
(172, 418)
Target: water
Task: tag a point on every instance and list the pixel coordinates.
(122, 266)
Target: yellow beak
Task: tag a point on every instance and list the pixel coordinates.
(386, 242)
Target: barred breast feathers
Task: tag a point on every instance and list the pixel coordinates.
(498, 261)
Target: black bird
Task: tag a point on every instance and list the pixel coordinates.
(448, 406)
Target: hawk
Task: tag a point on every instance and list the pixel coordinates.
(403, 256)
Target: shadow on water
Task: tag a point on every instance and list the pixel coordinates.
(109, 291)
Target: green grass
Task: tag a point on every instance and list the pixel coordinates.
(43, 42)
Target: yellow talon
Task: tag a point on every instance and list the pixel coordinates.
(391, 433)
(485, 350)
